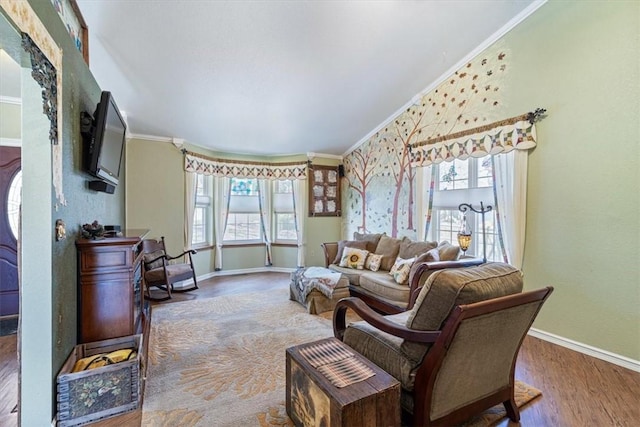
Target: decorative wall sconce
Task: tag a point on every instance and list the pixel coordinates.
(466, 238)
(61, 231)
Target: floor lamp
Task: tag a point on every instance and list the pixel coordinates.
(464, 236)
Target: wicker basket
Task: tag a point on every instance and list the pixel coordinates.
(88, 396)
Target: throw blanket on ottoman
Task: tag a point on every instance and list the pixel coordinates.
(318, 288)
(320, 278)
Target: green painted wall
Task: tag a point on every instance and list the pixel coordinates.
(155, 195)
(581, 61)
(51, 330)
(10, 120)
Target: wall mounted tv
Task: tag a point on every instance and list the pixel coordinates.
(104, 143)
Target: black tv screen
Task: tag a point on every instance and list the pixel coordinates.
(105, 152)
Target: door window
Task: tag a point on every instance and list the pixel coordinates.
(13, 203)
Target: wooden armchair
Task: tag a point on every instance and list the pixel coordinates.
(454, 352)
(158, 270)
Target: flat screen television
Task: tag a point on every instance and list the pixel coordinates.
(108, 131)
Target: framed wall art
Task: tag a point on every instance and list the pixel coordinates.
(69, 13)
(324, 191)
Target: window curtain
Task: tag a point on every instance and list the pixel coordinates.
(224, 169)
(431, 171)
(264, 204)
(508, 141)
(299, 209)
(510, 189)
(221, 198)
(189, 207)
(517, 133)
(198, 163)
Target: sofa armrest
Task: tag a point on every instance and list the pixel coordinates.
(330, 250)
(421, 271)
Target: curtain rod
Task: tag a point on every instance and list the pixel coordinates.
(531, 117)
(240, 162)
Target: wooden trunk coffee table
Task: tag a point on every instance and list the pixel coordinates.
(312, 400)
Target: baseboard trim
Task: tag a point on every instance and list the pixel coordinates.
(188, 283)
(264, 269)
(598, 353)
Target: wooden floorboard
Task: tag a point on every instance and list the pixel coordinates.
(577, 390)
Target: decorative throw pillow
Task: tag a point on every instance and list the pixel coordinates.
(148, 259)
(410, 249)
(388, 247)
(371, 239)
(429, 256)
(353, 258)
(373, 262)
(401, 269)
(448, 252)
(347, 244)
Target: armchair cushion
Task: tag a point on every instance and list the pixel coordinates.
(347, 244)
(383, 349)
(447, 288)
(388, 247)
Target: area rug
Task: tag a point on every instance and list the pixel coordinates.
(221, 361)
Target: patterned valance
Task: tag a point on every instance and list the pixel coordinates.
(204, 165)
(516, 133)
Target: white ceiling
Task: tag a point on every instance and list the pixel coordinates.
(278, 77)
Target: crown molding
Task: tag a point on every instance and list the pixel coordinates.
(152, 138)
(475, 52)
(10, 100)
(311, 156)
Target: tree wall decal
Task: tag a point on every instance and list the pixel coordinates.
(360, 168)
(468, 98)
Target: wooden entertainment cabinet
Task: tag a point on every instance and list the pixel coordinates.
(110, 299)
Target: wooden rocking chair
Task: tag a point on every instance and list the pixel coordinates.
(159, 272)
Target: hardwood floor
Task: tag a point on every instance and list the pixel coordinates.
(577, 390)
(8, 380)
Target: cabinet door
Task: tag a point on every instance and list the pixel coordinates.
(106, 303)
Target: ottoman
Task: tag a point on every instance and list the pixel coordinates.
(318, 288)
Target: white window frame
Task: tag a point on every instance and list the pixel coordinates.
(282, 207)
(239, 206)
(449, 200)
(204, 204)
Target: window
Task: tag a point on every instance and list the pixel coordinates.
(464, 181)
(243, 221)
(202, 216)
(13, 203)
(284, 220)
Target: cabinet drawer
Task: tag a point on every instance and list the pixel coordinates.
(104, 259)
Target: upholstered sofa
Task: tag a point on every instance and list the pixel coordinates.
(387, 273)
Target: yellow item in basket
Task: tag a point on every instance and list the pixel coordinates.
(99, 360)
